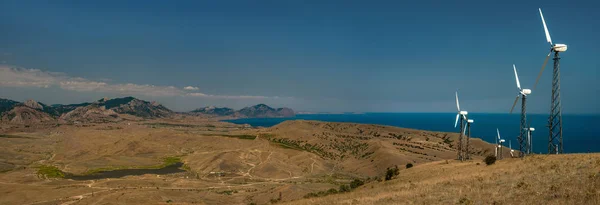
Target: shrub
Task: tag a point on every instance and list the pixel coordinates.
(50, 172)
(490, 159)
(465, 201)
(356, 183)
(390, 173)
(332, 191)
(344, 188)
(409, 165)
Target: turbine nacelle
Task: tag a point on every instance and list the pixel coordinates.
(526, 91)
(559, 47)
(531, 129)
(502, 141)
(463, 113)
(470, 121)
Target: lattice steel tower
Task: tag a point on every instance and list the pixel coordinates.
(555, 136)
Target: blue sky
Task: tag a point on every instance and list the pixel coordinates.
(375, 56)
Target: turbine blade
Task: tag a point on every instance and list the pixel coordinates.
(517, 77)
(464, 130)
(457, 105)
(498, 131)
(456, 122)
(545, 28)
(515, 103)
(542, 70)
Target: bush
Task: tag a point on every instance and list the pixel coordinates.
(332, 191)
(344, 188)
(356, 183)
(490, 159)
(409, 165)
(390, 173)
(50, 172)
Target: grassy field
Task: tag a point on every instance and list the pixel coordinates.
(281, 164)
(539, 179)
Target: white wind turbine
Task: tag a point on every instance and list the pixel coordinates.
(523, 143)
(463, 120)
(510, 147)
(499, 142)
(555, 142)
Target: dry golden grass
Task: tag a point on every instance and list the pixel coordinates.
(539, 179)
(257, 170)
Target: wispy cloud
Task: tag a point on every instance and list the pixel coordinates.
(191, 88)
(23, 77)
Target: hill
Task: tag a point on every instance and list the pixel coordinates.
(102, 110)
(256, 111)
(226, 163)
(136, 107)
(215, 111)
(264, 111)
(365, 149)
(538, 179)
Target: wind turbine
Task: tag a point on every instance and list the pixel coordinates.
(468, 130)
(463, 119)
(499, 142)
(510, 147)
(523, 143)
(529, 131)
(555, 139)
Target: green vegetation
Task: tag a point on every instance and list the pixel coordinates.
(490, 159)
(390, 173)
(465, 201)
(244, 137)
(356, 183)
(227, 192)
(409, 165)
(50, 172)
(11, 136)
(343, 188)
(162, 124)
(167, 161)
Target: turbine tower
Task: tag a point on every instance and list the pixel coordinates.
(510, 147)
(468, 130)
(529, 131)
(555, 137)
(463, 121)
(523, 142)
(499, 142)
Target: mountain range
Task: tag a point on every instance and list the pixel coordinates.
(117, 109)
(256, 111)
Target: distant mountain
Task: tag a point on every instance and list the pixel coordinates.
(6, 104)
(91, 113)
(257, 111)
(102, 110)
(217, 111)
(264, 111)
(136, 107)
(110, 110)
(28, 112)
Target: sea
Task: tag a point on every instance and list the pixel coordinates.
(581, 133)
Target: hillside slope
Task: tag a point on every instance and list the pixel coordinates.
(365, 149)
(539, 179)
